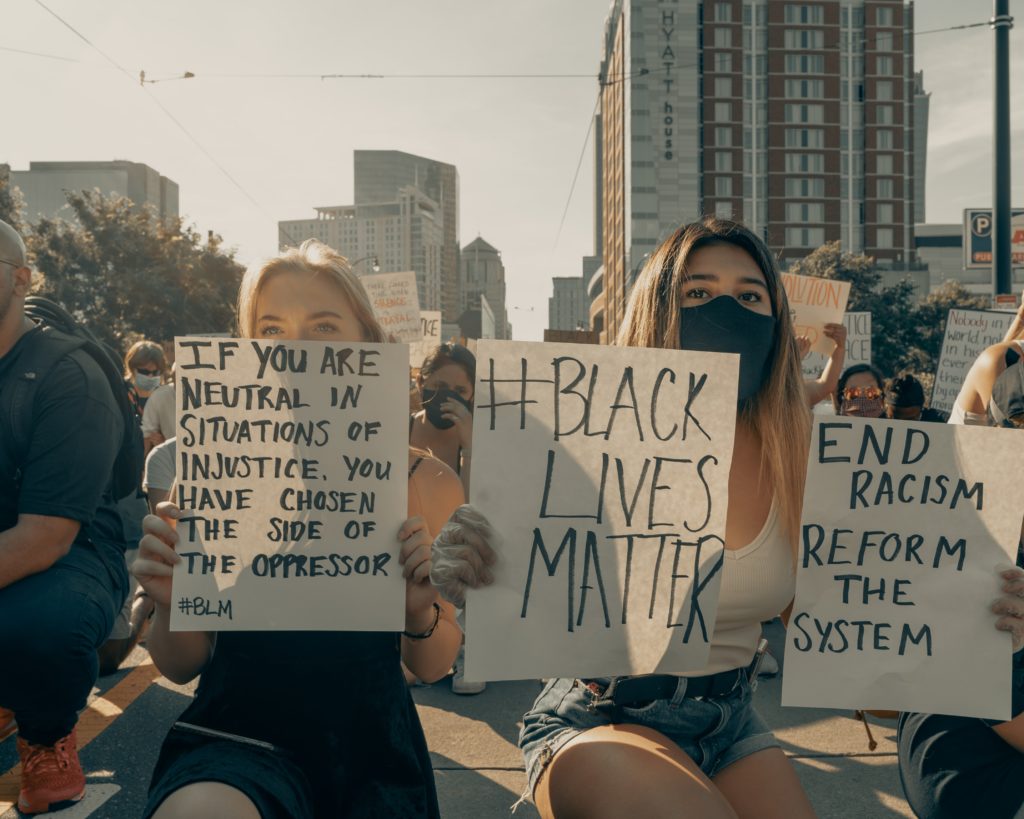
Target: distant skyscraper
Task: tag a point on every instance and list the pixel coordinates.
(482, 271)
(405, 233)
(44, 184)
(922, 100)
(794, 118)
(379, 175)
(569, 305)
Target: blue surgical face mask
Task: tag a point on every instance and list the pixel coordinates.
(723, 325)
(147, 383)
(432, 401)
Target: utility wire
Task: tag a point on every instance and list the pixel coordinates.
(579, 164)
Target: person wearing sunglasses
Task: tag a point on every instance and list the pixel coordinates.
(144, 367)
(859, 392)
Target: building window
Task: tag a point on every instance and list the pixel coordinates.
(883, 238)
(805, 237)
(723, 161)
(723, 12)
(885, 213)
(814, 114)
(805, 14)
(885, 114)
(723, 136)
(883, 66)
(723, 111)
(805, 163)
(805, 138)
(723, 38)
(805, 211)
(884, 164)
(723, 62)
(723, 210)
(813, 187)
(723, 186)
(796, 39)
(883, 139)
(805, 64)
(723, 86)
(885, 40)
(805, 89)
(884, 17)
(883, 90)
(884, 189)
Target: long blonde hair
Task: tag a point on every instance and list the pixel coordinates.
(778, 413)
(316, 259)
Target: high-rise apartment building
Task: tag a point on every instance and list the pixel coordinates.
(483, 272)
(922, 101)
(44, 186)
(405, 233)
(379, 175)
(569, 305)
(795, 118)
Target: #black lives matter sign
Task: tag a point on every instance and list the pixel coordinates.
(604, 472)
(903, 526)
(291, 468)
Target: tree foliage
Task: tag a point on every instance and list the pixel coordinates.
(127, 274)
(905, 334)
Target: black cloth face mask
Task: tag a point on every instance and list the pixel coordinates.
(432, 401)
(723, 325)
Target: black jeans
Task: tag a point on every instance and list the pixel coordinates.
(51, 624)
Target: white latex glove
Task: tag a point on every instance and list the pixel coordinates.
(461, 555)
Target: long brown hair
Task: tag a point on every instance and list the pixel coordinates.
(778, 413)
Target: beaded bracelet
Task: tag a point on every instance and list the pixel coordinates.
(429, 631)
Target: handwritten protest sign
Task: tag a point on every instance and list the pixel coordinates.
(291, 470)
(604, 471)
(858, 346)
(430, 323)
(815, 302)
(903, 526)
(968, 333)
(396, 304)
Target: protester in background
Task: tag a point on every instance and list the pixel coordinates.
(444, 426)
(972, 403)
(313, 724)
(158, 415)
(687, 745)
(904, 401)
(62, 570)
(144, 367)
(860, 392)
(158, 479)
(828, 382)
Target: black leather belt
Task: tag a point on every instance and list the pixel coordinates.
(631, 692)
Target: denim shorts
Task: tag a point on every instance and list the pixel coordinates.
(713, 732)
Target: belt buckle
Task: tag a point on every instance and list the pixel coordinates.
(601, 698)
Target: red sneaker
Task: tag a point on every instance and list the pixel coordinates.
(51, 776)
(8, 724)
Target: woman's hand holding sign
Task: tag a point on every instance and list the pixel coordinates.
(462, 555)
(415, 560)
(154, 565)
(1011, 604)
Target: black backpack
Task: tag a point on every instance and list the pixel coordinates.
(59, 336)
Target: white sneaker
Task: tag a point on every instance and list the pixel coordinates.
(769, 666)
(459, 683)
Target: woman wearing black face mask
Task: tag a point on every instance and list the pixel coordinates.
(691, 745)
(444, 426)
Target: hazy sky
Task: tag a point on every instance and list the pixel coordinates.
(288, 141)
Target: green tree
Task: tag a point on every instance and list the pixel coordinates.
(127, 274)
(931, 315)
(12, 205)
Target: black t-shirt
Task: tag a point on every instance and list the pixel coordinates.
(76, 432)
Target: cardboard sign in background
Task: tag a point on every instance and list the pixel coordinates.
(968, 333)
(815, 302)
(396, 303)
(430, 323)
(858, 346)
(604, 473)
(291, 469)
(903, 526)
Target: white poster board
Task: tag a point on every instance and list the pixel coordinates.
(903, 526)
(968, 333)
(291, 469)
(396, 303)
(430, 324)
(813, 303)
(605, 472)
(858, 346)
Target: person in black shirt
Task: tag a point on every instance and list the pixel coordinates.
(904, 401)
(62, 570)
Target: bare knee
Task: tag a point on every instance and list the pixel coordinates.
(207, 800)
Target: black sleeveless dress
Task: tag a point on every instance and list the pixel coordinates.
(347, 740)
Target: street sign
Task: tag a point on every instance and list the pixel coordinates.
(978, 237)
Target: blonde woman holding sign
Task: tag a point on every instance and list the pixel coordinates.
(688, 745)
(298, 725)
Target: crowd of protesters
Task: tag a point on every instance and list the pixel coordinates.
(350, 742)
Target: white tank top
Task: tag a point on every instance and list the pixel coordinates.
(758, 582)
